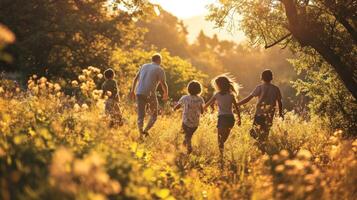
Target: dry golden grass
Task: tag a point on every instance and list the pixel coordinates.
(54, 146)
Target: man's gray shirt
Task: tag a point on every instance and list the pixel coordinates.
(150, 75)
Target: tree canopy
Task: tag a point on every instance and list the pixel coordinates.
(328, 27)
(55, 36)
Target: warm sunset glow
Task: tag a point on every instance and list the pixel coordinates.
(185, 8)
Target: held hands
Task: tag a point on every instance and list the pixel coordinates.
(132, 95)
(165, 96)
(282, 116)
(239, 122)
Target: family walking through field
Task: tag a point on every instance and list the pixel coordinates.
(152, 75)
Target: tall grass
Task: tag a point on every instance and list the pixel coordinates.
(54, 146)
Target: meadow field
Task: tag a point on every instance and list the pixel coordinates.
(56, 146)
(57, 143)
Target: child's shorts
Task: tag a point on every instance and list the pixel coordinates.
(188, 130)
(225, 121)
(261, 127)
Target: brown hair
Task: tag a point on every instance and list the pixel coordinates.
(194, 88)
(109, 73)
(224, 84)
(267, 75)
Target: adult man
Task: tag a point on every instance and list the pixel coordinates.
(147, 79)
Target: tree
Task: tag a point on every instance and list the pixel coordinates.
(165, 31)
(329, 98)
(326, 26)
(53, 37)
(179, 72)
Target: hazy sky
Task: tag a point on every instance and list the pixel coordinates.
(185, 8)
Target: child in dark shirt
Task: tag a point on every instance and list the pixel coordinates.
(110, 89)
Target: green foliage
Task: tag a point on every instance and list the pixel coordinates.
(178, 71)
(59, 37)
(165, 31)
(325, 48)
(328, 96)
(325, 26)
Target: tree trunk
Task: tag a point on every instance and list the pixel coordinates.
(304, 36)
(342, 69)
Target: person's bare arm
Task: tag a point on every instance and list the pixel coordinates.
(280, 104)
(280, 107)
(165, 88)
(236, 107)
(177, 106)
(103, 91)
(245, 100)
(132, 90)
(209, 103)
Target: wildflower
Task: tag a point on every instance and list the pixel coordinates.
(76, 107)
(86, 72)
(317, 160)
(81, 78)
(17, 90)
(275, 158)
(100, 76)
(57, 87)
(334, 150)
(84, 87)
(35, 89)
(60, 159)
(281, 187)
(85, 106)
(304, 154)
(279, 168)
(30, 84)
(74, 83)
(97, 70)
(115, 186)
(95, 159)
(290, 188)
(34, 76)
(333, 140)
(2, 90)
(43, 80)
(42, 86)
(284, 154)
(309, 188)
(102, 177)
(81, 168)
(95, 196)
(310, 178)
(354, 143)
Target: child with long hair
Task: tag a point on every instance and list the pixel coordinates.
(225, 96)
